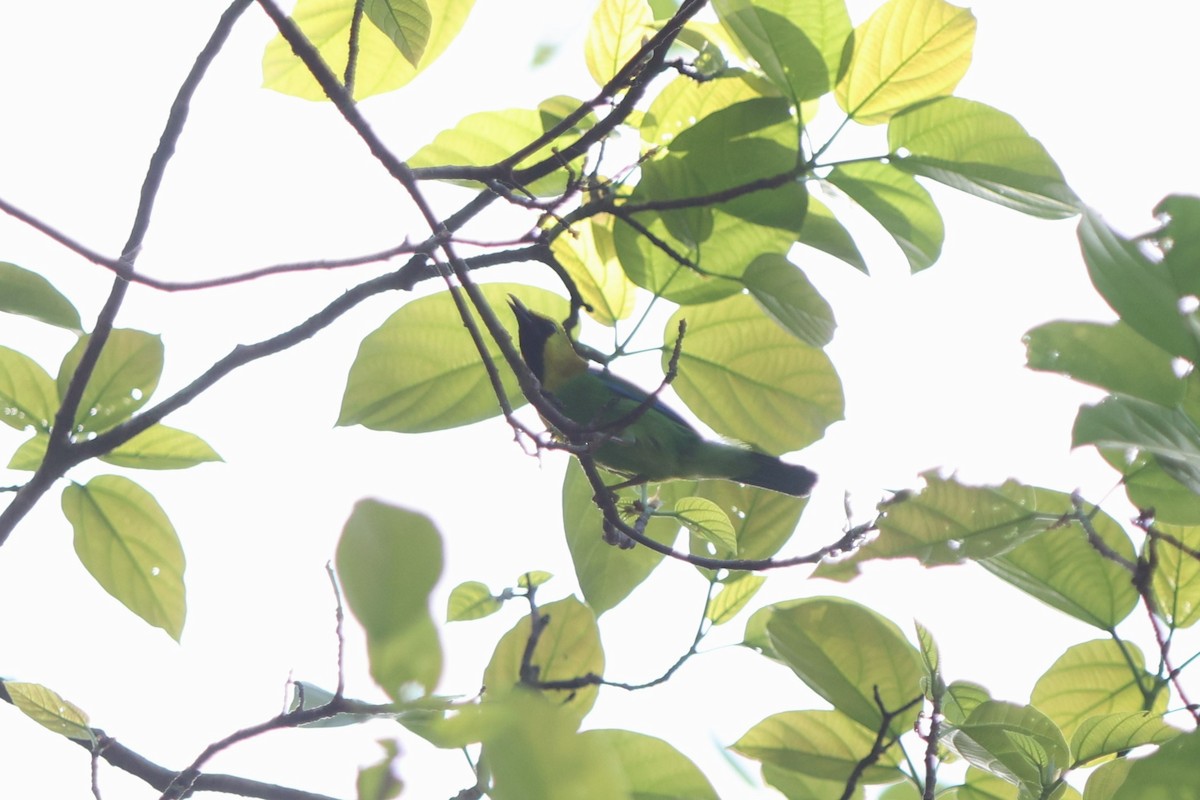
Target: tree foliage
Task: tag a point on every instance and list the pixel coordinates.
(686, 177)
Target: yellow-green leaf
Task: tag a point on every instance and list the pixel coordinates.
(907, 51)
(732, 596)
(29, 294)
(762, 520)
(534, 752)
(1168, 774)
(125, 376)
(822, 231)
(653, 768)
(489, 137)
(588, 254)
(405, 22)
(124, 539)
(568, 648)
(823, 744)
(706, 519)
(850, 655)
(902, 206)
(161, 447)
(28, 398)
(380, 781)
(31, 452)
(980, 150)
(748, 379)
(1092, 679)
(388, 560)
(1018, 743)
(381, 67)
(1108, 734)
(419, 371)
(789, 298)
(618, 29)
(470, 600)
(797, 43)
(533, 578)
(607, 574)
(1176, 580)
(50, 710)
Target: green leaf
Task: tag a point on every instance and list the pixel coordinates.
(962, 697)
(897, 202)
(1106, 779)
(589, 256)
(405, 22)
(948, 523)
(1169, 774)
(618, 29)
(1061, 569)
(28, 398)
(1176, 579)
(980, 785)
(763, 520)
(471, 600)
(1179, 239)
(721, 134)
(161, 447)
(906, 52)
(982, 151)
(822, 231)
(125, 376)
(1112, 357)
(748, 379)
(732, 596)
(489, 137)
(822, 744)
(1141, 291)
(29, 294)
(707, 520)
(1128, 422)
(381, 66)
(532, 749)
(653, 769)
(30, 454)
(380, 781)
(124, 539)
(1148, 485)
(797, 43)
(48, 709)
(847, 653)
(1018, 743)
(1092, 679)
(535, 577)
(1110, 734)
(567, 648)
(388, 560)
(785, 293)
(607, 574)
(798, 786)
(419, 371)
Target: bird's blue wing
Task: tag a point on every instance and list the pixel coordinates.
(631, 391)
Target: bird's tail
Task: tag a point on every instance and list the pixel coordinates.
(768, 472)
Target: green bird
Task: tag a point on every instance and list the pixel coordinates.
(658, 444)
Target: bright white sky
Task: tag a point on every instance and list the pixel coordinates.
(932, 367)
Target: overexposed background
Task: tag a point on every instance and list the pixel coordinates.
(932, 367)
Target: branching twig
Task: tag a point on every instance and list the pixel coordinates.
(881, 744)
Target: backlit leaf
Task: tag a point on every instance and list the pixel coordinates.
(161, 447)
(388, 560)
(653, 768)
(124, 539)
(980, 150)
(381, 67)
(405, 22)
(29, 294)
(50, 710)
(419, 371)
(616, 34)
(907, 51)
(897, 202)
(125, 376)
(748, 379)
(28, 398)
(823, 744)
